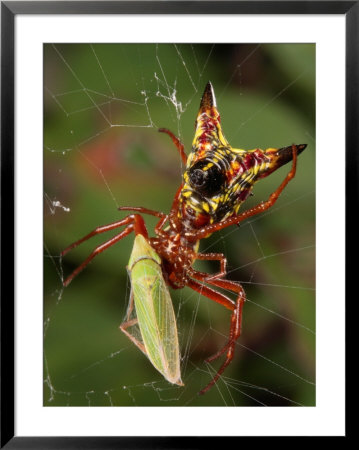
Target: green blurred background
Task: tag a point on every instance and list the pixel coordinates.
(102, 107)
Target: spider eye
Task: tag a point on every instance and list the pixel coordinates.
(207, 182)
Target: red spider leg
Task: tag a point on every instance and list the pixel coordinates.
(211, 293)
(263, 206)
(134, 223)
(177, 143)
(236, 317)
(163, 217)
(103, 229)
(159, 227)
(212, 257)
(175, 221)
(172, 216)
(142, 210)
(234, 287)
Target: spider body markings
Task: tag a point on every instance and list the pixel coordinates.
(216, 181)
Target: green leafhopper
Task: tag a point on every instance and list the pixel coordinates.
(153, 313)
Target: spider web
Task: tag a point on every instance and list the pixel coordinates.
(103, 105)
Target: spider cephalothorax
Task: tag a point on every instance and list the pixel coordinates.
(216, 181)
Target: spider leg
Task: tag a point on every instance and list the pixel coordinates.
(163, 217)
(236, 317)
(172, 216)
(142, 210)
(237, 288)
(159, 227)
(175, 221)
(211, 257)
(177, 143)
(212, 294)
(263, 206)
(134, 223)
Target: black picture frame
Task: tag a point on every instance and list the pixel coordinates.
(9, 10)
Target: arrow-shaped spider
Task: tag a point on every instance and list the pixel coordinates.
(216, 181)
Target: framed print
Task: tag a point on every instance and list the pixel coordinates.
(179, 209)
(97, 159)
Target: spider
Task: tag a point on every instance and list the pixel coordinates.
(216, 181)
